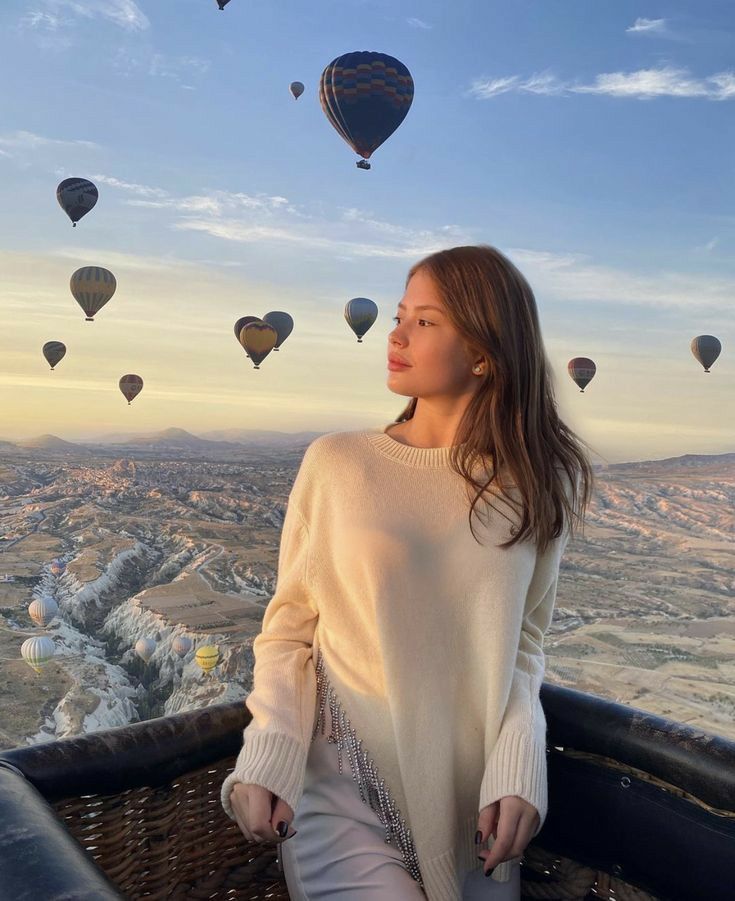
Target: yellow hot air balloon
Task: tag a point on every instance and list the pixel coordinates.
(37, 651)
(43, 610)
(258, 338)
(207, 657)
(92, 287)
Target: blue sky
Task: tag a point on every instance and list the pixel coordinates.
(590, 142)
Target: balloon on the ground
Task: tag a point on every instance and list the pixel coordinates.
(365, 95)
(360, 313)
(706, 348)
(258, 338)
(92, 287)
(54, 352)
(207, 657)
(296, 88)
(57, 567)
(282, 323)
(131, 385)
(582, 370)
(144, 648)
(181, 645)
(37, 651)
(76, 197)
(42, 610)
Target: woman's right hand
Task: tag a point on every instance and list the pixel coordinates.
(258, 812)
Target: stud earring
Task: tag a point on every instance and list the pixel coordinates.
(477, 368)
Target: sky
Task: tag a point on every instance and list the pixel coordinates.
(590, 142)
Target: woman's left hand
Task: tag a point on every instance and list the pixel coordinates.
(512, 821)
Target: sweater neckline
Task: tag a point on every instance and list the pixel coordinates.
(433, 457)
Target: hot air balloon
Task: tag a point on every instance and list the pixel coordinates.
(258, 338)
(92, 287)
(706, 348)
(360, 313)
(57, 568)
(582, 370)
(144, 648)
(222, 4)
(282, 323)
(37, 651)
(181, 645)
(131, 385)
(296, 88)
(240, 324)
(54, 352)
(76, 196)
(207, 657)
(365, 95)
(42, 610)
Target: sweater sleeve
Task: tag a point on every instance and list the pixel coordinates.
(283, 697)
(517, 762)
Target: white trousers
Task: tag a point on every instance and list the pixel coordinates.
(340, 852)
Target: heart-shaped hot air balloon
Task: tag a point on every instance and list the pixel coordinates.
(54, 352)
(92, 287)
(282, 323)
(360, 313)
(582, 370)
(365, 95)
(706, 349)
(258, 338)
(76, 197)
(131, 385)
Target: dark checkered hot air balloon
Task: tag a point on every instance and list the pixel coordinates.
(131, 385)
(582, 370)
(365, 95)
(76, 197)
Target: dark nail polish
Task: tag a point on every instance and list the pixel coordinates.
(490, 871)
(478, 837)
(282, 828)
(480, 858)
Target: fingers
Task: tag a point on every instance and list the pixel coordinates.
(513, 835)
(258, 813)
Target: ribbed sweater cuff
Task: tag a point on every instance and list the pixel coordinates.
(273, 760)
(517, 766)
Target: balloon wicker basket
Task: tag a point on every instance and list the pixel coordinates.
(640, 807)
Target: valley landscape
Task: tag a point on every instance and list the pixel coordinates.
(169, 534)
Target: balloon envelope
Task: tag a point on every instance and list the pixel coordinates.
(37, 651)
(92, 287)
(360, 313)
(42, 610)
(296, 88)
(207, 657)
(131, 385)
(57, 567)
(222, 3)
(181, 645)
(144, 648)
(706, 348)
(76, 197)
(54, 352)
(582, 370)
(258, 338)
(242, 322)
(282, 323)
(365, 95)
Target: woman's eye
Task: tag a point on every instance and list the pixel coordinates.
(397, 319)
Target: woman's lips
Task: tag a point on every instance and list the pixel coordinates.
(396, 367)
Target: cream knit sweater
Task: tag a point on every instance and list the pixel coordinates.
(426, 644)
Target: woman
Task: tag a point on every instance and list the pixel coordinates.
(398, 635)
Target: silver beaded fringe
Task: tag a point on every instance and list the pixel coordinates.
(373, 790)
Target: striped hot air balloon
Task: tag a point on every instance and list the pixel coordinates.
(207, 657)
(131, 385)
(54, 351)
(706, 349)
(37, 651)
(42, 610)
(76, 197)
(365, 95)
(282, 323)
(582, 370)
(258, 339)
(360, 313)
(92, 287)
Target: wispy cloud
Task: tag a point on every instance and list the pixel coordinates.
(142, 60)
(24, 141)
(418, 23)
(125, 14)
(647, 26)
(643, 84)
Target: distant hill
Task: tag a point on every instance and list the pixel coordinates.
(51, 443)
(222, 438)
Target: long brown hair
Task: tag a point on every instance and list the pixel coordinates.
(511, 421)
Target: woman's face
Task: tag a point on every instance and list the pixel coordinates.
(439, 361)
